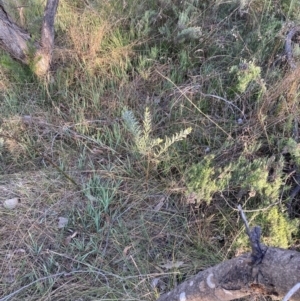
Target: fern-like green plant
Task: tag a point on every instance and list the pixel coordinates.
(144, 143)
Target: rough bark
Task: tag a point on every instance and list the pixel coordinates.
(19, 44)
(278, 272)
(44, 53)
(288, 46)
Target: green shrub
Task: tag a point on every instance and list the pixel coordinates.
(278, 229)
(246, 73)
(204, 179)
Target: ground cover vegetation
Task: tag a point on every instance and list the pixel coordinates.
(121, 171)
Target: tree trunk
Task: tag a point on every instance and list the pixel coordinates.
(278, 272)
(19, 44)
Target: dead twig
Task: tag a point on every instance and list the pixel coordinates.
(291, 292)
(254, 234)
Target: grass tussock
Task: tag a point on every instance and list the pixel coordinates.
(129, 160)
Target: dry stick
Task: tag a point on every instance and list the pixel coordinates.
(291, 292)
(243, 216)
(206, 116)
(258, 253)
(225, 100)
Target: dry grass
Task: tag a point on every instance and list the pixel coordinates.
(65, 151)
(119, 262)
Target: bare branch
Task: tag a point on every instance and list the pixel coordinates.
(254, 237)
(292, 291)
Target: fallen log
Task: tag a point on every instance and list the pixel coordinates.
(265, 271)
(278, 272)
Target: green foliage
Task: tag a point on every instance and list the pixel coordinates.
(291, 9)
(109, 55)
(254, 176)
(15, 70)
(204, 179)
(144, 25)
(264, 38)
(179, 29)
(291, 146)
(181, 21)
(100, 194)
(144, 143)
(278, 228)
(246, 73)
